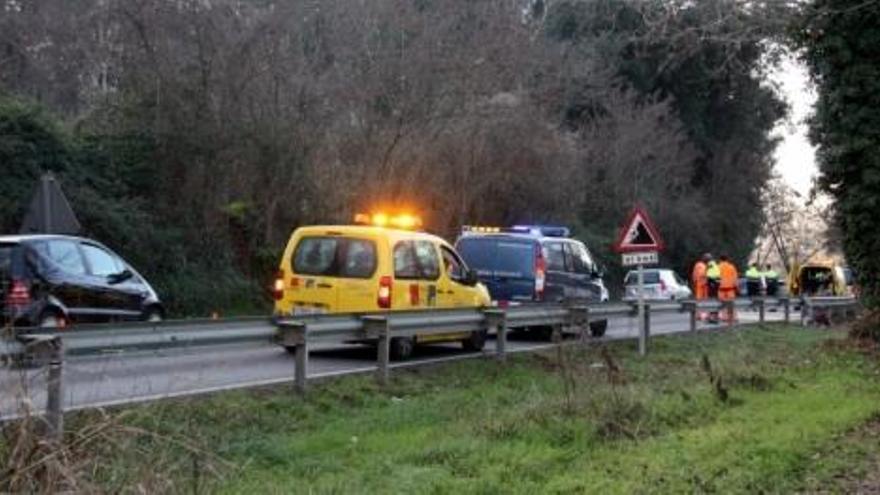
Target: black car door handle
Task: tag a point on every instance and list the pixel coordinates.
(325, 286)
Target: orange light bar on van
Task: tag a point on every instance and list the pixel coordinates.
(380, 219)
(406, 221)
(401, 221)
(480, 229)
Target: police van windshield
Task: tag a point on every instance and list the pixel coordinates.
(498, 257)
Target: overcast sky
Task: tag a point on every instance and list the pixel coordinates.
(795, 157)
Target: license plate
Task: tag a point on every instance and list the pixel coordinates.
(308, 310)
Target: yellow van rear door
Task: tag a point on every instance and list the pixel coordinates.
(313, 285)
(358, 280)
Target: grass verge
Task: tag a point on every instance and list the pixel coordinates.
(743, 411)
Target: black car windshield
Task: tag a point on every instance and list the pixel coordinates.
(500, 257)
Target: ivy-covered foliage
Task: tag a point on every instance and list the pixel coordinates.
(841, 42)
(111, 185)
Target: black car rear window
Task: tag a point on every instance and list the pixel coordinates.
(335, 257)
(498, 256)
(63, 253)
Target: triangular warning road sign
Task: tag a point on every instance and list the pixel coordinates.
(639, 234)
(49, 211)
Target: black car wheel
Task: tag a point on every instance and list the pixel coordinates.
(475, 341)
(598, 328)
(153, 315)
(402, 348)
(52, 319)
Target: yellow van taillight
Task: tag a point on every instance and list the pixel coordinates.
(278, 286)
(384, 296)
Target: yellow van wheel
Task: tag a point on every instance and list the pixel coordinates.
(475, 342)
(402, 348)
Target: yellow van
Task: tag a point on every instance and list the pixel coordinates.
(820, 278)
(369, 268)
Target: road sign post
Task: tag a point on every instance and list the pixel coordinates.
(643, 329)
(639, 243)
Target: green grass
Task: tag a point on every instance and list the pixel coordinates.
(656, 425)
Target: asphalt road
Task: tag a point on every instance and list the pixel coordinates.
(130, 377)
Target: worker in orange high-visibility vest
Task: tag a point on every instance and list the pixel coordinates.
(728, 285)
(701, 282)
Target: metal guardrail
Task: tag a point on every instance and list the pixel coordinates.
(298, 334)
(93, 339)
(98, 338)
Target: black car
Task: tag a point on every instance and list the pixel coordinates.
(53, 280)
(527, 263)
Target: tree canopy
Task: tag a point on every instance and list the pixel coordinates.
(194, 136)
(841, 45)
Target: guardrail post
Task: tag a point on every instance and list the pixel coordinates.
(295, 335)
(762, 306)
(55, 389)
(643, 335)
(850, 311)
(556, 336)
(804, 311)
(301, 358)
(497, 319)
(585, 323)
(37, 348)
(378, 326)
(691, 308)
(786, 305)
(579, 316)
(729, 308)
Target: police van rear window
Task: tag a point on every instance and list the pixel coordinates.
(335, 257)
(498, 257)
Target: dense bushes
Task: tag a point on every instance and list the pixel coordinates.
(112, 188)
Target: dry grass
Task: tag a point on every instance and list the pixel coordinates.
(31, 461)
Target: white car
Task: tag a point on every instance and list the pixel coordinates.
(659, 284)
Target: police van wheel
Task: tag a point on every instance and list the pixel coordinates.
(542, 333)
(475, 342)
(402, 348)
(598, 328)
